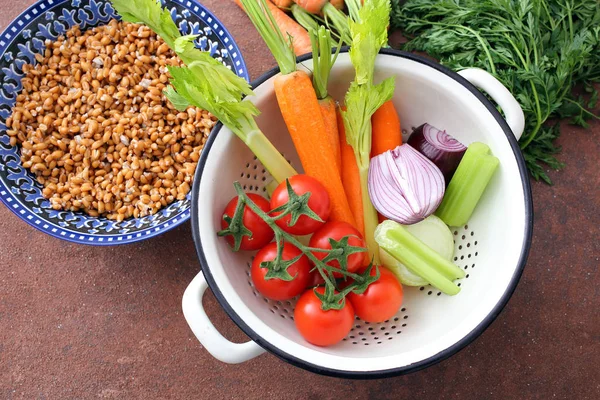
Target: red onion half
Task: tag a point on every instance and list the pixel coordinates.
(441, 148)
(404, 185)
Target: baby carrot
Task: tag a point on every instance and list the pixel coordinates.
(387, 134)
(350, 176)
(288, 26)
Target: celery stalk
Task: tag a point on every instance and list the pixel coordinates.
(418, 257)
(206, 83)
(467, 185)
(368, 29)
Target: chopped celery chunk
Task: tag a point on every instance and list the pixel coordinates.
(467, 185)
(418, 257)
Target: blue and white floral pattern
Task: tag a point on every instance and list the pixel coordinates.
(19, 43)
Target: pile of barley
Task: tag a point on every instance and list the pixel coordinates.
(96, 129)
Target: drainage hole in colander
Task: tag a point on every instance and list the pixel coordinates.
(473, 266)
(372, 333)
(438, 293)
(354, 343)
(382, 328)
(364, 339)
(429, 293)
(403, 309)
(469, 255)
(466, 227)
(460, 247)
(289, 303)
(255, 293)
(458, 284)
(390, 337)
(357, 326)
(399, 332)
(405, 317)
(468, 244)
(387, 334)
(351, 336)
(455, 233)
(403, 325)
(275, 307)
(361, 333)
(467, 276)
(462, 257)
(266, 300)
(393, 326)
(370, 328)
(455, 258)
(422, 288)
(282, 316)
(475, 243)
(249, 283)
(476, 254)
(272, 311)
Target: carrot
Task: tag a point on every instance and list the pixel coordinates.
(300, 109)
(387, 134)
(339, 4)
(288, 26)
(302, 115)
(283, 3)
(350, 175)
(312, 6)
(331, 128)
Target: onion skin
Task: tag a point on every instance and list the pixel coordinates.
(446, 153)
(404, 185)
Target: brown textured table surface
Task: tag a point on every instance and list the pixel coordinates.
(79, 322)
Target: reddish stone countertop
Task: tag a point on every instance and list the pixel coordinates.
(88, 322)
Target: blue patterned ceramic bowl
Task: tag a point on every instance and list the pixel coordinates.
(22, 39)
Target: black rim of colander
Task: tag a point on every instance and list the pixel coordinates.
(471, 336)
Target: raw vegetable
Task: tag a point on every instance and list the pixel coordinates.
(333, 296)
(301, 111)
(286, 283)
(207, 83)
(538, 49)
(312, 6)
(434, 233)
(344, 239)
(322, 328)
(310, 201)
(287, 27)
(336, 19)
(256, 232)
(323, 60)
(387, 133)
(438, 146)
(369, 34)
(404, 185)
(418, 257)
(283, 3)
(351, 176)
(338, 4)
(304, 18)
(382, 299)
(468, 184)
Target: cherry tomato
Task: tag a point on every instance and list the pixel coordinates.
(261, 231)
(381, 300)
(322, 328)
(275, 288)
(336, 230)
(318, 202)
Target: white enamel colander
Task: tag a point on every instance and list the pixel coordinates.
(492, 248)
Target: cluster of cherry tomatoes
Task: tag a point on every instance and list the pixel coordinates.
(380, 301)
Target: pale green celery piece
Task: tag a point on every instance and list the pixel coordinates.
(467, 185)
(434, 233)
(418, 257)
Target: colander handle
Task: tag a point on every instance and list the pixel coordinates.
(219, 347)
(492, 86)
